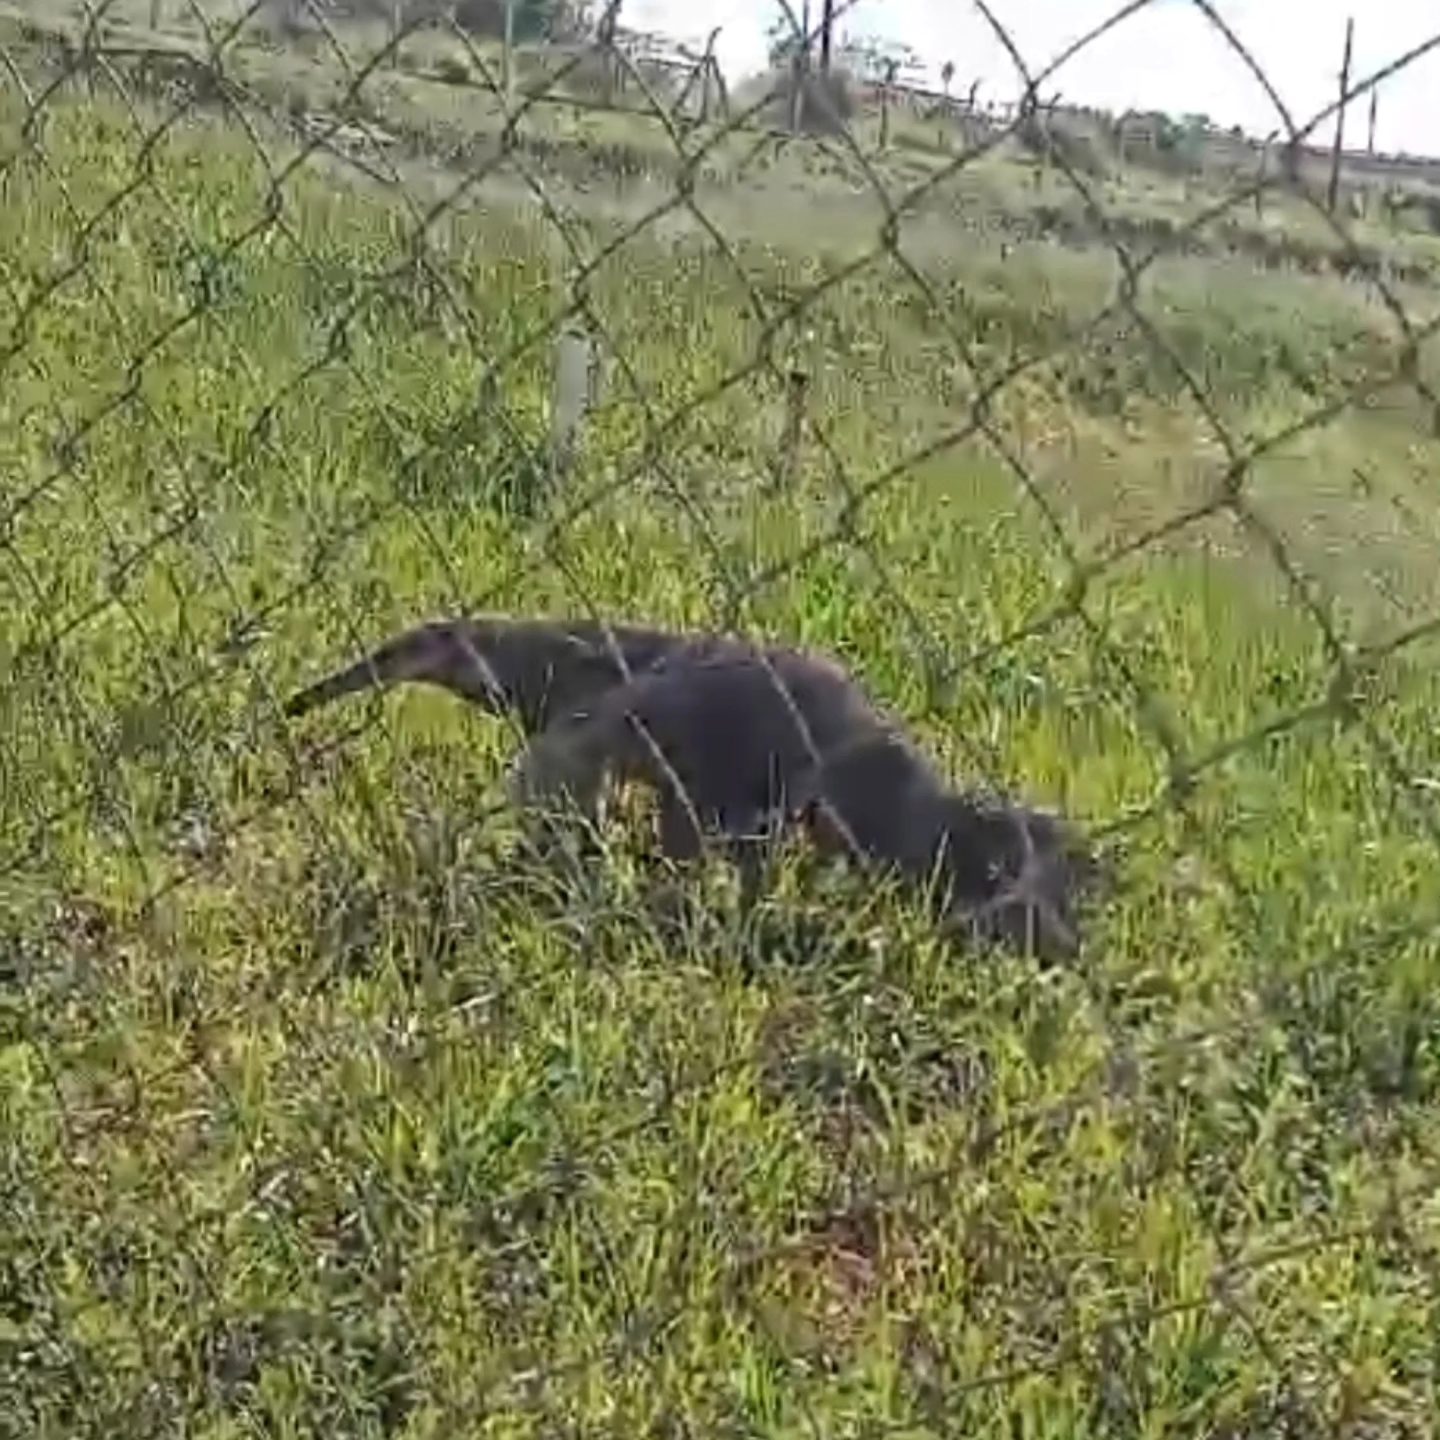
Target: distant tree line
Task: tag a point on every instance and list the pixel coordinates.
(535, 21)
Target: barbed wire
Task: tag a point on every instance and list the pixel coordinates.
(541, 1163)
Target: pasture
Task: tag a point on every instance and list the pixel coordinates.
(321, 1115)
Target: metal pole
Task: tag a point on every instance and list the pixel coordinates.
(1334, 192)
(507, 59)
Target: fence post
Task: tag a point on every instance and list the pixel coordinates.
(575, 389)
(1332, 194)
(605, 35)
(708, 74)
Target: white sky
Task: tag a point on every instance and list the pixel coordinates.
(1168, 56)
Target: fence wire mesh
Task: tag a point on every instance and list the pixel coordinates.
(1102, 453)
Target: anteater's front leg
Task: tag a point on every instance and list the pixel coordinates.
(556, 783)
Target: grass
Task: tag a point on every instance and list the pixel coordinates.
(436, 94)
(321, 1114)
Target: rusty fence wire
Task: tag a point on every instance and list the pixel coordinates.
(1112, 475)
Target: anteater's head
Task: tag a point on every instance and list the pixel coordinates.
(1015, 875)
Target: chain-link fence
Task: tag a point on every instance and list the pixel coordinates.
(1100, 450)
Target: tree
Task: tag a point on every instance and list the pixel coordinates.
(535, 21)
(947, 76)
(782, 43)
(1183, 140)
(875, 60)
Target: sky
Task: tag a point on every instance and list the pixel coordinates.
(1168, 56)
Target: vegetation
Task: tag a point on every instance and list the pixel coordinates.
(317, 1113)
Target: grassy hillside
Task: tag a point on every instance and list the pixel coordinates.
(320, 1114)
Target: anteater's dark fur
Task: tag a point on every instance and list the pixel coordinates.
(733, 737)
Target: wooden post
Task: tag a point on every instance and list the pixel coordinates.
(712, 71)
(1332, 196)
(1290, 163)
(1374, 105)
(575, 383)
(799, 65)
(703, 72)
(610, 59)
(892, 69)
